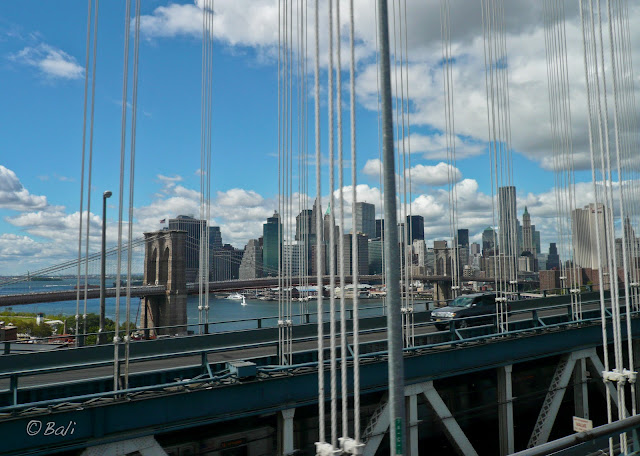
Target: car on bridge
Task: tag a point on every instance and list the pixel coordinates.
(466, 310)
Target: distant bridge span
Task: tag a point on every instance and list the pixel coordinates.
(193, 288)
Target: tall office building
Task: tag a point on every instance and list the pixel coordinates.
(489, 238)
(415, 228)
(463, 237)
(226, 263)
(271, 244)
(251, 265)
(364, 219)
(306, 237)
(528, 244)
(536, 239)
(293, 258)
(215, 238)
(508, 221)
(304, 224)
(553, 259)
(375, 256)
(588, 224)
(462, 241)
(215, 245)
(363, 254)
(379, 228)
(195, 229)
(420, 251)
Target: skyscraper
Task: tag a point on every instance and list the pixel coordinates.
(507, 219)
(303, 224)
(251, 265)
(306, 237)
(415, 228)
(379, 228)
(463, 237)
(588, 225)
(271, 244)
(489, 238)
(363, 254)
(364, 219)
(215, 247)
(536, 239)
(194, 229)
(553, 259)
(226, 263)
(528, 244)
(375, 256)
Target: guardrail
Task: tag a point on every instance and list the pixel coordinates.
(594, 441)
(16, 366)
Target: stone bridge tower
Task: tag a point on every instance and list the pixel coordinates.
(164, 264)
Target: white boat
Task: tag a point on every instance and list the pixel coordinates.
(244, 301)
(235, 296)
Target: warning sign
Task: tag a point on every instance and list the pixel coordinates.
(582, 424)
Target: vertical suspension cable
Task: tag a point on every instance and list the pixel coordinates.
(208, 167)
(134, 110)
(332, 242)
(82, 170)
(341, 234)
(319, 245)
(445, 20)
(123, 134)
(90, 168)
(394, 322)
(354, 239)
(499, 126)
(380, 174)
(203, 86)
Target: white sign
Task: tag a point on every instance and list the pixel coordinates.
(582, 424)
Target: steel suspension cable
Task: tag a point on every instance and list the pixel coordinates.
(123, 133)
(90, 168)
(82, 170)
(134, 111)
(354, 239)
(319, 251)
(341, 231)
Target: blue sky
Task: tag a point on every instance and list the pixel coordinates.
(42, 59)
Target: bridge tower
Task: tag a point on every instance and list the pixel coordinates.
(442, 293)
(164, 264)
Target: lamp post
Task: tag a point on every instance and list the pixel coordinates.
(103, 261)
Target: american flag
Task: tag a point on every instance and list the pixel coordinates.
(164, 220)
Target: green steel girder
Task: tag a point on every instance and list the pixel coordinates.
(136, 417)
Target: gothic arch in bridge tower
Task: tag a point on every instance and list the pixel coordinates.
(150, 268)
(165, 311)
(163, 266)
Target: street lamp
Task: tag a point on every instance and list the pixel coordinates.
(103, 261)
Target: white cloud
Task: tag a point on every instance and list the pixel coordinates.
(169, 179)
(372, 167)
(236, 23)
(435, 176)
(51, 61)
(237, 197)
(14, 196)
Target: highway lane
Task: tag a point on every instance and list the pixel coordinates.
(231, 354)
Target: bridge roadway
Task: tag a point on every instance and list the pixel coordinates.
(165, 397)
(193, 288)
(264, 345)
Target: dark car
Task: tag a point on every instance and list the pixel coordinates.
(464, 308)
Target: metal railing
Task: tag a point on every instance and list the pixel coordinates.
(456, 340)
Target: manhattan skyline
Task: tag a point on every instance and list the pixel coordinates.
(42, 64)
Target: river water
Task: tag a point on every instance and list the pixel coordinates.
(224, 314)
